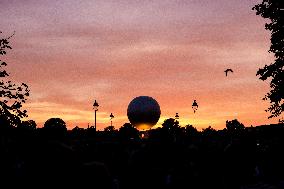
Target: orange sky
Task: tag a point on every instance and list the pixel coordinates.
(73, 52)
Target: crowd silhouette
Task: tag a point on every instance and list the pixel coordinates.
(168, 157)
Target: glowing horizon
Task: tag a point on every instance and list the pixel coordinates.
(71, 53)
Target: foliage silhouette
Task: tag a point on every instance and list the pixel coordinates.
(234, 125)
(128, 132)
(55, 128)
(110, 129)
(190, 131)
(11, 95)
(209, 131)
(171, 130)
(55, 123)
(28, 125)
(170, 124)
(78, 132)
(208, 159)
(274, 10)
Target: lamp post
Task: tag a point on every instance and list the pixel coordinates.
(111, 117)
(95, 105)
(194, 106)
(177, 116)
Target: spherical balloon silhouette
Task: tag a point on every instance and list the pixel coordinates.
(143, 112)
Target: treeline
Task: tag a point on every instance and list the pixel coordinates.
(168, 157)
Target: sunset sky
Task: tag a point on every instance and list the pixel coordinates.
(71, 52)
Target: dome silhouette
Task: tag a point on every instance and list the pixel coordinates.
(143, 112)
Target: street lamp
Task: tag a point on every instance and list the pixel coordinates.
(177, 116)
(194, 106)
(111, 117)
(95, 105)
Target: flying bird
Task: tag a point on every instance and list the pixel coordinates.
(228, 70)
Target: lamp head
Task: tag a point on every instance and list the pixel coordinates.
(95, 105)
(177, 116)
(194, 106)
(111, 116)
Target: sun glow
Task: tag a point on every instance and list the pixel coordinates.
(143, 126)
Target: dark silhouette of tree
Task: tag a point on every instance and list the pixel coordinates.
(55, 127)
(11, 95)
(109, 129)
(171, 129)
(190, 130)
(28, 125)
(55, 123)
(91, 131)
(274, 10)
(76, 128)
(234, 125)
(128, 131)
(209, 131)
(190, 133)
(77, 131)
(170, 124)
(110, 133)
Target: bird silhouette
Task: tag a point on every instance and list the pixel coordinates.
(228, 70)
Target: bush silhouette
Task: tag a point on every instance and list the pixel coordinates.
(28, 125)
(128, 132)
(234, 125)
(55, 127)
